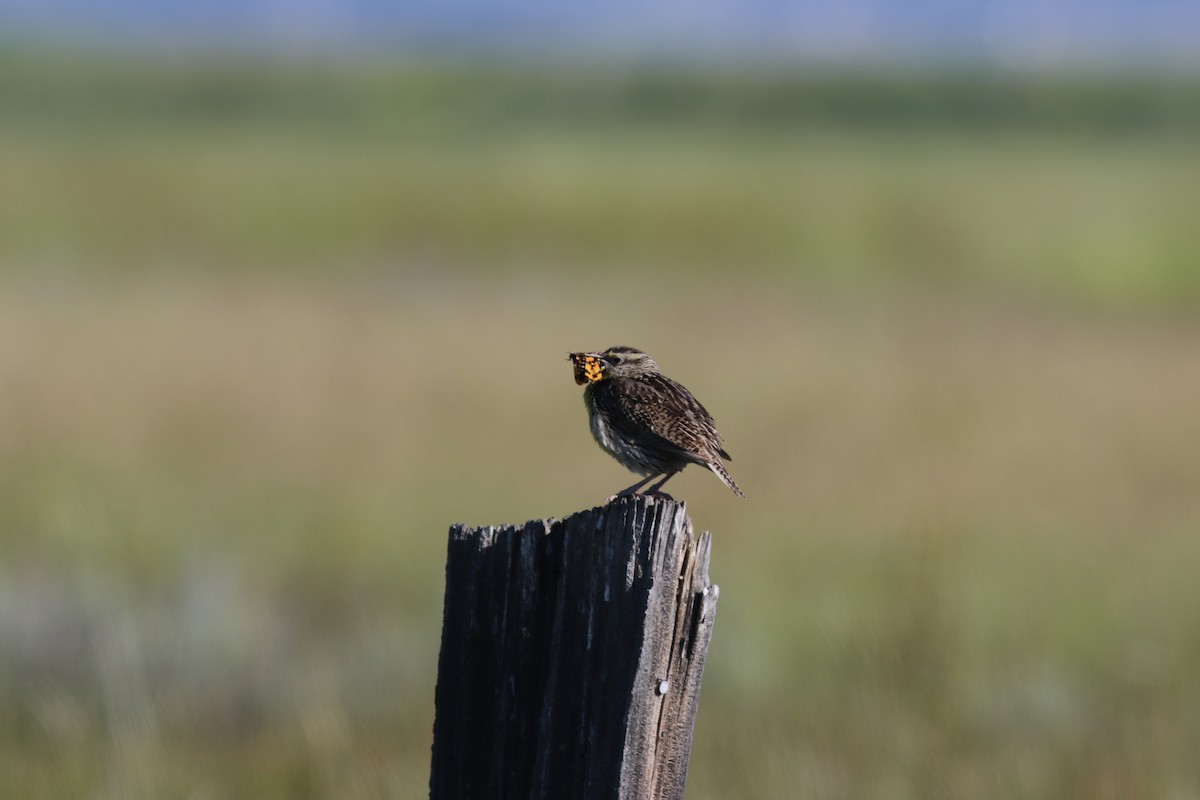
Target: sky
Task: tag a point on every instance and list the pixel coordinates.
(1007, 31)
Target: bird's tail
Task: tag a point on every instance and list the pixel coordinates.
(719, 470)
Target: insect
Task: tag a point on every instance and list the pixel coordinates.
(587, 368)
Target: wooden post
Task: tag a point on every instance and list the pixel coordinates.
(572, 653)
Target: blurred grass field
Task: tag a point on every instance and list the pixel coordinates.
(263, 339)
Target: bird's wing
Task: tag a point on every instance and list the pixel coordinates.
(660, 406)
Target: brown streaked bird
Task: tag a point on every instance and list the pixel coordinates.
(645, 420)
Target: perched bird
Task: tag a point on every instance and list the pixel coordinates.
(645, 420)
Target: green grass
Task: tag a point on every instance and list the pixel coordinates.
(1094, 223)
(257, 356)
(1075, 189)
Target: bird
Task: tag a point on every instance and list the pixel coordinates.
(649, 423)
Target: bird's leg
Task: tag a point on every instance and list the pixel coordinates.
(656, 488)
(633, 489)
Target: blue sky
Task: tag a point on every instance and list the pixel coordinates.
(1012, 31)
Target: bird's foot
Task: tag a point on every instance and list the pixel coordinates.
(628, 494)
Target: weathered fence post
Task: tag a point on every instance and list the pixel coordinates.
(572, 653)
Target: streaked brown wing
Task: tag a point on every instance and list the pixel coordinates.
(666, 409)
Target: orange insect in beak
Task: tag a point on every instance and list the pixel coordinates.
(588, 367)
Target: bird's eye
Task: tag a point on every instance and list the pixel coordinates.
(614, 358)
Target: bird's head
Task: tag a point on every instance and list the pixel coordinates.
(615, 362)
